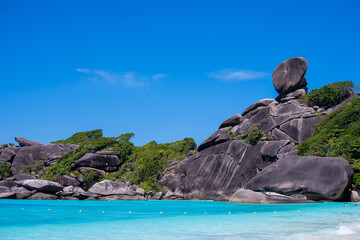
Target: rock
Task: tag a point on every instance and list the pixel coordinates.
(23, 142)
(32, 154)
(270, 150)
(67, 181)
(231, 121)
(7, 155)
(108, 187)
(42, 196)
(69, 198)
(108, 153)
(261, 103)
(105, 162)
(5, 183)
(355, 196)
(140, 191)
(215, 171)
(289, 75)
(190, 153)
(292, 95)
(158, 196)
(22, 176)
(4, 189)
(22, 193)
(41, 185)
(176, 195)
(71, 190)
(149, 195)
(121, 197)
(217, 137)
(99, 173)
(248, 196)
(7, 195)
(88, 196)
(317, 178)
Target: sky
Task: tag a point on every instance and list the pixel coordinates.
(164, 70)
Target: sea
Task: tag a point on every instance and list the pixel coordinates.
(71, 219)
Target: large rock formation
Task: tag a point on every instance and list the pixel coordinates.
(39, 152)
(105, 160)
(317, 178)
(225, 163)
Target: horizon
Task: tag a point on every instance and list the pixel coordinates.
(163, 71)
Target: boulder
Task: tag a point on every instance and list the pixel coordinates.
(107, 162)
(42, 196)
(41, 185)
(217, 137)
(271, 148)
(7, 195)
(176, 195)
(66, 180)
(158, 196)
(231, 121)
(32, 154)
(22, 176)
(6, 183)
(71, 191)
(121, 197)
(317, 178)
(108, 187)
(289, 75)
(140, 191)
(69, 198)
(7, 155)
(23, 142)
(88, 196)
(4, 189)
(355, 196)
(248, 196)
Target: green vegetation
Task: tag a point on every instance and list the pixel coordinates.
(5, 169)
(331, 94)
(36, 167)
(7, 145)
(140, 165)
(228, 130)
(337, 135)
(89, 178)
(81, 137)
(62, 166)
(254, 135)
(356, 181)
(146, 163)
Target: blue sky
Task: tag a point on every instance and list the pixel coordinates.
(164, 70)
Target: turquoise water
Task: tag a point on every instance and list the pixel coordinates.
(66, 219)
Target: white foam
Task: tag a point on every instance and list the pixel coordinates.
(345, 230)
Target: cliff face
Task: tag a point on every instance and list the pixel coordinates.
(267, 131)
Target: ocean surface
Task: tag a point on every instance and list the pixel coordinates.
(67, 219)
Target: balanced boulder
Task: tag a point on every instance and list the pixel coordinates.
(317, 178)
(23, 142)
(289, 75)
(107, 161)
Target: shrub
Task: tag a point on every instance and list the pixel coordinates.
(5, 169)
(331, 94)
(81, 137)
(7, 145)
(356, 181)
(254, 135)
(337, 135)
(228, 130)
(89, 178)
(36, 167)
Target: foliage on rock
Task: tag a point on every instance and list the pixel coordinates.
(5, 169)
(81, 137)
(337, 135)
(254, 135)
(36, 167)
(331, 94)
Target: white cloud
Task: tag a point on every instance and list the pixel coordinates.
(129, 79)
(237, 75)
(159, 76)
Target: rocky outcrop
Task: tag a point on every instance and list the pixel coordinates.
(41, 185)
(226, 162)
(219, 170)
(105, 160)
(117, 190)
(34, 153)
(317, 178)
(289, 75)
(23, 142)
(67, 181)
